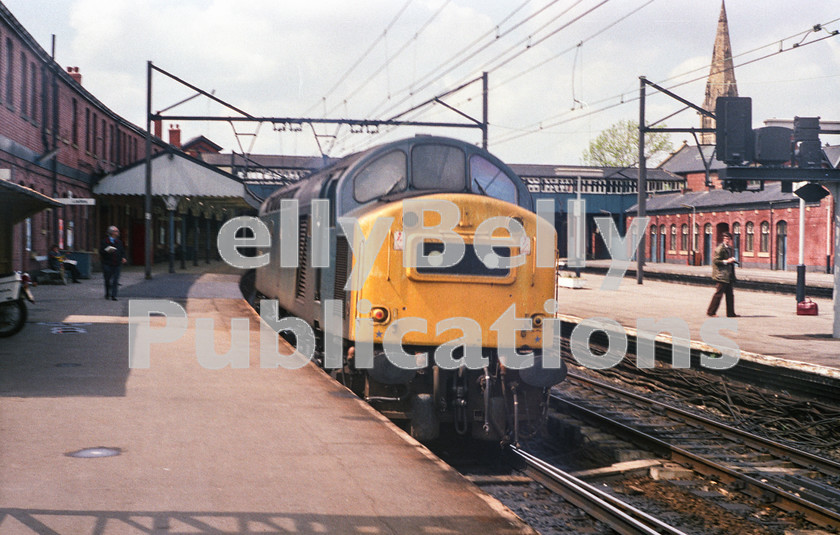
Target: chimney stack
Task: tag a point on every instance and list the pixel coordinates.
(175, 136)
(74, 73)
(158, 128)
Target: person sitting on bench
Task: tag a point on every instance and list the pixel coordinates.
(57, 259)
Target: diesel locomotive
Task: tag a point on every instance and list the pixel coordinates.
(415, 264)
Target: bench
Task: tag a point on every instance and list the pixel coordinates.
(49, 276)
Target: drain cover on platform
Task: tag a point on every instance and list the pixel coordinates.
(95, 453)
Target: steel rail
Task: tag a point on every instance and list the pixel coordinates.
(620, 516)
(802, 458)
(759, 489)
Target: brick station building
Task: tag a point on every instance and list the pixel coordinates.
(685, 226)
(58, 139)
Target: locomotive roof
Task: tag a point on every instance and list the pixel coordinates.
(316, 185)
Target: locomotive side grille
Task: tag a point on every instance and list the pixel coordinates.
(342, 266)
(303, 260)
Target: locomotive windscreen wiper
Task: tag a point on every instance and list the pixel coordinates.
(391, 188)
(480, 187)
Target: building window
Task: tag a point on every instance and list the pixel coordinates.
(684, 238)
(673, 238)
(764, 244)
(652, 255)
(94, 135)
(74, 122)
(695, 236)
(33, 95)
(10, 65)
(87, 129)
(750, 245)
(112, 154)
(24, 86)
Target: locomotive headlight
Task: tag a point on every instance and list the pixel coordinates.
(537, 320)
(379, 314)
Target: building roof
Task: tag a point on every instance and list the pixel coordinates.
(19, 202)
(179, 175)
(717, 199)
(199, 141)
(268, 161)
(568, 171)
(687, 159)
(833, 155)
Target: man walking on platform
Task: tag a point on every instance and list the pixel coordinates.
(112, 253)
(723, 273)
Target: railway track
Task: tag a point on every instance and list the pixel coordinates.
(618, 515)
(793, 480)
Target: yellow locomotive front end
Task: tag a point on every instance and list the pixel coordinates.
(448, 295)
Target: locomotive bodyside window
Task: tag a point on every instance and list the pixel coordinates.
(437, 167)
(385, 175)
(488, 179)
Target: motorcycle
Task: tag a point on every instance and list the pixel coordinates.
(14, 289)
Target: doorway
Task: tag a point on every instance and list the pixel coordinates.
(781, 245)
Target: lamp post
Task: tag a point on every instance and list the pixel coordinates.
(693, 231)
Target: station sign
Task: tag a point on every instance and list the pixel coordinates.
(76, 201)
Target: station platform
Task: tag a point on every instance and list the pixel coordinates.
(768, 329)
(199, 450)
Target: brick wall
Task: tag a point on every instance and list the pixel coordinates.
(779, 237)
(91, 140)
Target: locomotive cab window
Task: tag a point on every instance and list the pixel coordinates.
(489, 180)
(438, 167)
(383, 176)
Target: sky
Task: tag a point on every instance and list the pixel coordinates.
(559, 71)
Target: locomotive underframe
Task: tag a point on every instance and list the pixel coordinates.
(508, 410)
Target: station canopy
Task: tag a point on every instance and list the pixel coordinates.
(19, 202)
(177, 175)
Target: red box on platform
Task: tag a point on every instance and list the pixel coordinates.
(807, 308)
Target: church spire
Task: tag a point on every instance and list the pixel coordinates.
(721, 81)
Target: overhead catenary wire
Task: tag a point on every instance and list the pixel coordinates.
(371, 48)
(623, 98)
(436, 73)
(529, 43)
(496, 85)
(391, 58)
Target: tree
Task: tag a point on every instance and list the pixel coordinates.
(618, 146)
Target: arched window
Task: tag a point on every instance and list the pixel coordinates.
(750, 245)
(736, 239)
(764, 243)
(695, 236)
(673, 237)
(653, 248)
(684, 238)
